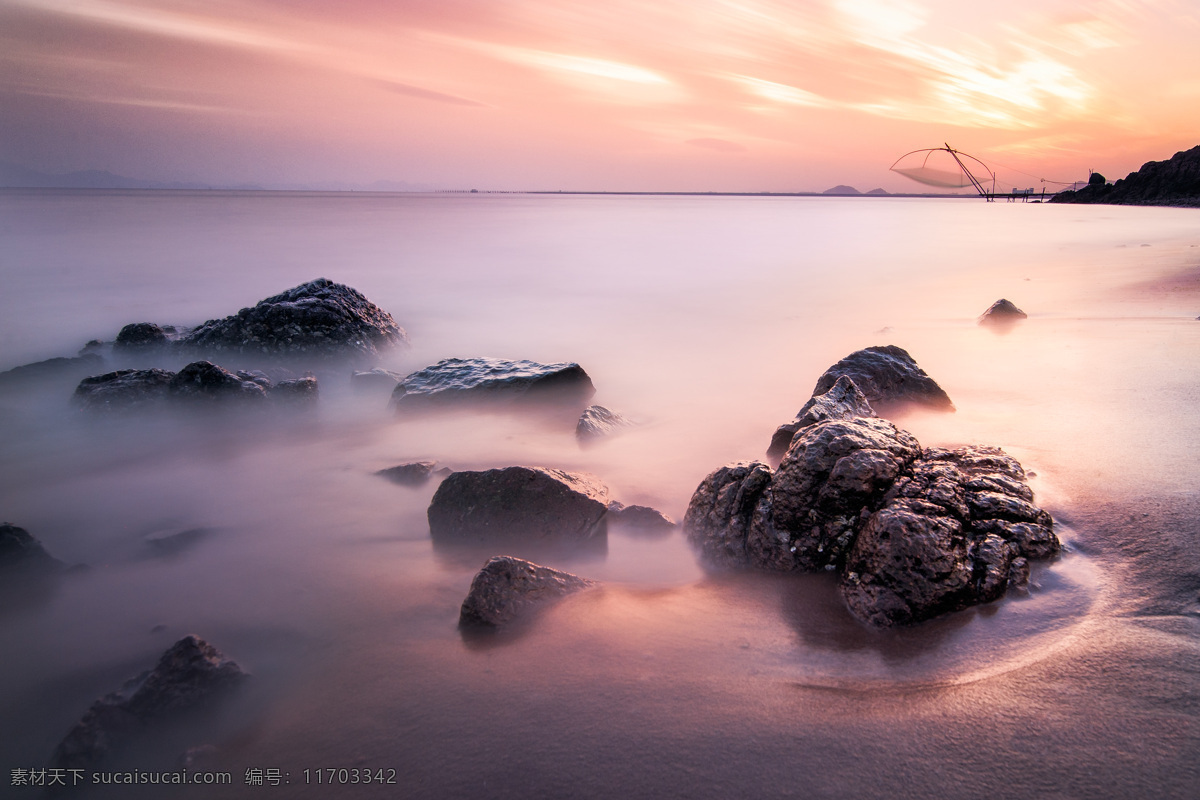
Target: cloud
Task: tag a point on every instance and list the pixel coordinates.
(720, 145)
(428, 94)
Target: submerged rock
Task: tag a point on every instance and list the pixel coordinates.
(843, 400)
(597, 422)
(376, 379)
(201, 383)
(523, 503)
(205, 382)
(52, 369)
(21, 552)
(508, 587)
(1002, 312)
(887, 376)
(295, 391)
(124, 389)
(139, 337)
(640, 518)
(191, 674)
(493, 380)
(413, 474)
(319, 318)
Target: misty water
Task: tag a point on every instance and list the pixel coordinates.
(708, 321)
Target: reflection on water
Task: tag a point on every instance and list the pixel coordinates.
(707, 319)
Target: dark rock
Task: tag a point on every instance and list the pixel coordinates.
(843, 400)
(958, 530)
(53, 369)
(125, 390)
(717, 520)
(20, 551)
(493, 380)
(508, 587)
(191, 674)
(140, 336)
(1175, 182)
(376, 379)
(1001, 312)
(316, 319)
(522, 503)
(205, 382)
(888, 376)
(640, 518)
(597, 421)
(256, 376)
(413, 474)
(297, 391)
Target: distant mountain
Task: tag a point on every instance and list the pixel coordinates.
(879, 192)
(842, 190)
(1175, 182)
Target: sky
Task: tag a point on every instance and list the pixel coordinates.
(638, 95)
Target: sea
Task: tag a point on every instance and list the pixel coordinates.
(706, 320)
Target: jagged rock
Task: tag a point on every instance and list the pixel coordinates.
(508, 587)
(843, 400)
(640, 518)
(717, 520)
(205, 382)
(316, 319)
(256, 376)
(1001, 312)
(376, 379)
(887, 376)
(140, 336)
(125, 389)
(191, 674)
(53, 369)
(414, 474)
(597, 421)
(1174, 182)
(957, 531)
(493, 380)
(527, 503)
(20, 551)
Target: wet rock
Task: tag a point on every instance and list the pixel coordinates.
(640, 518)
(375, 380)
(1002, 312)
(256, 376)
(842, 400)
(21, 552)
(123, 390)
(204, 382)
(717, 520)
(597, 422)
(958, 530)
(413, 474)
(521, 503)
(316, 319)
(507, 588)
(296, 391)
(888, 377)
(53, 369)
(493, 380)
(139, 337)
(189, 675)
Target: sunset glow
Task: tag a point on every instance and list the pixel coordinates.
(722, 95)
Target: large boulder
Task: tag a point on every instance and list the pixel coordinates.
(21, 552)
(518, 503)
(191, 674)
(717, 520)
(842, 400)
(888, 377)
(492, 381)
(508, 587)
(316, 319)
(124, 390)
(139, 337)
(205, 382)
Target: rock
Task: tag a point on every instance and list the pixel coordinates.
(508, 587)
(189, 675)
(1175, 182)
(957, 531)
(717, 520)
(640, 518)
(205, 382)
(256, 376)
(1001, 312)
(297, 391)
(843, 400)
(20, 551)
(317, 319)
(124, 390)
(888, 376)
(376, 379)
(491, 381)
(139, 337)
(597, 422)
(413, 474)
(520, 503)
(53, 369)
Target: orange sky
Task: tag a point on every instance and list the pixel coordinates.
(723, 95)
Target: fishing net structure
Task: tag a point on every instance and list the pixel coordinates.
(945, 168)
